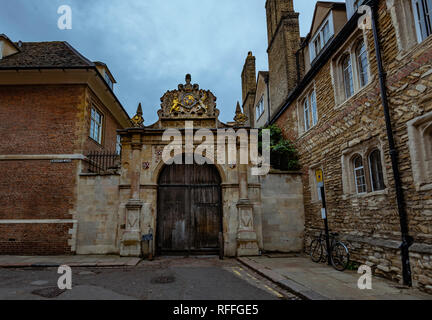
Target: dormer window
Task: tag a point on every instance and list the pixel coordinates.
(109, 81)
(321, 37)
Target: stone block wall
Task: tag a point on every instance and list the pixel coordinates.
(282, 212)
(97, 213)
(369, 222)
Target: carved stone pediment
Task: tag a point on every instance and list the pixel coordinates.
(188, 102)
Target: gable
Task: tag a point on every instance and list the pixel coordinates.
(7, 47)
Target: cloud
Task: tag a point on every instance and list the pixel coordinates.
(150, 45)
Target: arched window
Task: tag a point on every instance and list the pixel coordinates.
(362, 63)
(348, 76)
(376, 172)
(359, 174)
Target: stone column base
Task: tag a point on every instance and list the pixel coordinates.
(247, 242)
(130, 245)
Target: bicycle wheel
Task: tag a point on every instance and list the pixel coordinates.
(340, 256)
(316, 250)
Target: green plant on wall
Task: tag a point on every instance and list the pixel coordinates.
(283, 153)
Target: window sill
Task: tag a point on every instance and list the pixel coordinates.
(95, 142)
(365, 195)
(356, 94)
(305, 133)
(424, 187)
(406, 52)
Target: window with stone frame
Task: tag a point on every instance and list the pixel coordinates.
(408, 23)
(310, 112)
(363, 169)
(422, 17)
(420, 144)
(96, 124)
(376, 171)
(350, 69)
(359, 174)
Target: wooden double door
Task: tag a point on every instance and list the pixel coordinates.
(189, 217)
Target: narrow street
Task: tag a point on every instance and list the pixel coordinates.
(173, 278)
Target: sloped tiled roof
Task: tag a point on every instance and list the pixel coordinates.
(56, 54)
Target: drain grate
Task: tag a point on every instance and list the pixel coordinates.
(49, 293)
(163, 280)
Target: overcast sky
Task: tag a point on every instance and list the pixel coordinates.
(149, 45)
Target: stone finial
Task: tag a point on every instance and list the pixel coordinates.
(188, 78)
(240, 118)
(138, 120)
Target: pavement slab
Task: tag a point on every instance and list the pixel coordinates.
(315, 281)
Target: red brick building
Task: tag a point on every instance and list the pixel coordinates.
(56, 107)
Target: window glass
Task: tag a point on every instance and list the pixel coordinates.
(306, 115)
(317, 45)
(422, 14)
(377, 178)
(96, 126)
(363, 64)
(118, 145)
(348, 76)
(314, 108)
(359, 175)
(326, 32)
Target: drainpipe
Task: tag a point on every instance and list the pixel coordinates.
(407, 240)
(268, 99)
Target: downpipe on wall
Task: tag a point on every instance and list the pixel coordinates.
(407, 240)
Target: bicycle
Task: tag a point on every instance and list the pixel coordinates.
(339, 252)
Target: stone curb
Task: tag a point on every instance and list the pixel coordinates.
(285, 283)
(71, 264)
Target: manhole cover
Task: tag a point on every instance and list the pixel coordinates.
(163, 280)
(50, 293)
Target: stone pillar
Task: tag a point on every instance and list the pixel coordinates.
(247, 244)
(131, 238)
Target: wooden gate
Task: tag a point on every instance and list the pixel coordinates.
(189, 215)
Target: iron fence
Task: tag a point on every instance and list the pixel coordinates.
(102, 161)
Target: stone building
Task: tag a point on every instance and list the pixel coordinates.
(334, 111)
(56, 107)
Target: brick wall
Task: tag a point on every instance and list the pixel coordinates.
(370, 222)
(35, 239)
(40, 119)
(44, 120)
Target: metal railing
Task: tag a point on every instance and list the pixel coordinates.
(102, 161)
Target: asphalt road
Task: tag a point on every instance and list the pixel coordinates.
(204, 278)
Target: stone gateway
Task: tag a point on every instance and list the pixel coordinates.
(189, 208)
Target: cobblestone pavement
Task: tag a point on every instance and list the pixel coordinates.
(203, 278)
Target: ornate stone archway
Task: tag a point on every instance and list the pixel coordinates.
(142, 163)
